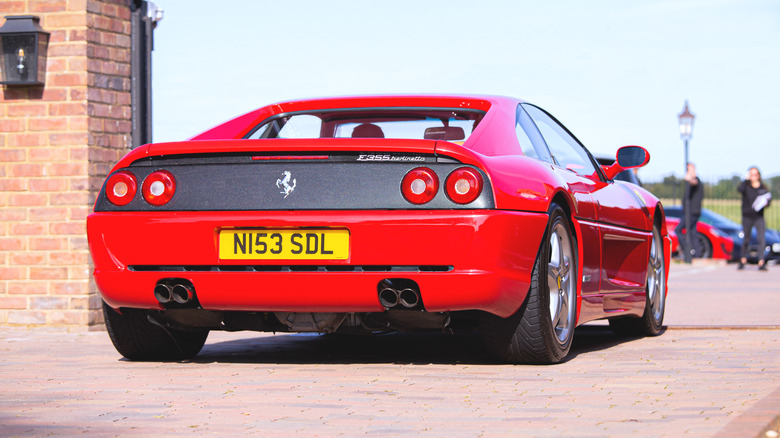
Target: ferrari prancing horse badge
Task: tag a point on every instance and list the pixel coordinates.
(284, 184)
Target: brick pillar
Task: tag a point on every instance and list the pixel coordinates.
(57, 143)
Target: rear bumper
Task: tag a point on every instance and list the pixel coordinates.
(488, 255)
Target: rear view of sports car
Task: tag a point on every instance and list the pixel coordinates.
(375, 214)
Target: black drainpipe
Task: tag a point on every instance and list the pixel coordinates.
(144, 16)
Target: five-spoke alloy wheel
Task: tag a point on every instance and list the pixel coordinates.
(541, 331)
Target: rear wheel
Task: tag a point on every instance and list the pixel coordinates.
(704, 249)
(541, 331)
(651, 322)
(136, 337)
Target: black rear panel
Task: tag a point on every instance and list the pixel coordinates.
(315, 181)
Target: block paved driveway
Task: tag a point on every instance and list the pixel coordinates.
(714, 372)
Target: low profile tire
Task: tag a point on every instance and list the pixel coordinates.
(651, 322)
(137, 338)
(541, 331)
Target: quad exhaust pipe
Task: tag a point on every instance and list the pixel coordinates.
(163, 293)
(174, 290)
(389, 297)
(399, 293)
(182, 293)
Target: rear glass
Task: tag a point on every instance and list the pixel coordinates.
(429, 124)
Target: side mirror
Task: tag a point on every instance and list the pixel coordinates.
(628, 157)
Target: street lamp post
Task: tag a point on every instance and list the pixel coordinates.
(686, 132)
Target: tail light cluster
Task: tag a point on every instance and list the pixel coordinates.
(121, 188)
(462, 186)
(157, 188)
(420, 185)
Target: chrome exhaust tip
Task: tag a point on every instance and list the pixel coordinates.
(400, 294)
(163, 293)
(409, 298)
(182, 293)
(388, 297)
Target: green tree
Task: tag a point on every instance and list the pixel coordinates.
(724, 189)
(774, 187)
(669, 188)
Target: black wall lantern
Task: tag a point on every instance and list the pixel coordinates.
(23, 43)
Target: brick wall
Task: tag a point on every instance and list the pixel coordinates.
(57, 143)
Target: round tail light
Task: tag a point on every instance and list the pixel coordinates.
(159, 187)
(121, 188)
(420, 185)
(464, 185)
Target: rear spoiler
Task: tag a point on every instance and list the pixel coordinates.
(306, 146)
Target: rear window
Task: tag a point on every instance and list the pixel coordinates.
(430, 124)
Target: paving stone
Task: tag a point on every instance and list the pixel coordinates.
(714, 372)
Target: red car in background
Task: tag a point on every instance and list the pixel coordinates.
(373, 214)
(721, 237)
(711, 243)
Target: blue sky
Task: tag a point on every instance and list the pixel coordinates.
(614, 72)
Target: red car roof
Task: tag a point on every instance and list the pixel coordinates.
(239, 126)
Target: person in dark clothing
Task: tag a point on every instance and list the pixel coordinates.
(755, 198)
(692, 199)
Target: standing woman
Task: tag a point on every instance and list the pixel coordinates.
(755, 197)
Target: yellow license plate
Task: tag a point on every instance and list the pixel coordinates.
(284, 244)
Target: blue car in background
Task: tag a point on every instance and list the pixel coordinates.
(734, 231)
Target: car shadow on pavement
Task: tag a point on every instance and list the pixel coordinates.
(592, 338)
(393, 348)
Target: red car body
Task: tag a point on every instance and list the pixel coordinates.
(716, 245)
(174, 220)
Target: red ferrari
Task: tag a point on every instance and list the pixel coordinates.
(375, 214)
(711, 242)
